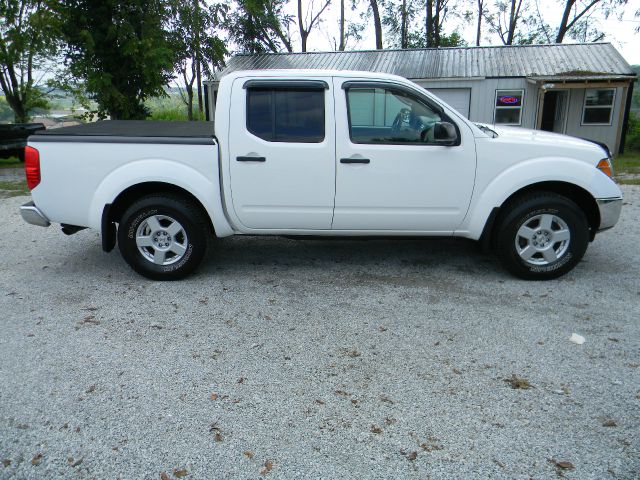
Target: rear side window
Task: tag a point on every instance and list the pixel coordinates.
(286, 115)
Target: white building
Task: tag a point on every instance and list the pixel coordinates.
(582, 90)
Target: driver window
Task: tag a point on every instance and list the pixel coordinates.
(380, 115)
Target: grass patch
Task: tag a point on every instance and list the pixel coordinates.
(13, 189)
(628, 162)
(11, 162)
(628, 181)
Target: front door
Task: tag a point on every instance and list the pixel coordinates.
(554, 111)
(390, 173)
(282, 152)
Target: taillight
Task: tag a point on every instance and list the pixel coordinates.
(32, 167)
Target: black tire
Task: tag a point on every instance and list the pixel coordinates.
(169, 209)
(526, 213)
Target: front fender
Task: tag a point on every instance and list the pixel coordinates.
(206, 190)
(493, 192)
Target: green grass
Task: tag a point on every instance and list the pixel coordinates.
(174, 113)
(628, 162)
(628, 181)
(13, 189)
(11, 162)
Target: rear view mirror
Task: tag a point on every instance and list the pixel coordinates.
(444, 133)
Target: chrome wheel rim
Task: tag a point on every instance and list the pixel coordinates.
(543, 239)
(161, 240)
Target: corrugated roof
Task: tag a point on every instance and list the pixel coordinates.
(555, 60)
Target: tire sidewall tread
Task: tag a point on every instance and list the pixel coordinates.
(185, 212)
(527, 207)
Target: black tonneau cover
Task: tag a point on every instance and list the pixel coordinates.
(132, 131)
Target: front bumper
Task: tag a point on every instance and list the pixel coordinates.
(31, 214)
(609, 211)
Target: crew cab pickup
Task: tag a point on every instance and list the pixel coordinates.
(316, 153)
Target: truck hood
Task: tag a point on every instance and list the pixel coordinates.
(540, 140)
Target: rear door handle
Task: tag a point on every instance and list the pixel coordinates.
(251, 159)
(355, 160)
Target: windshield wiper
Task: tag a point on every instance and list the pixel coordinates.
(486, 129)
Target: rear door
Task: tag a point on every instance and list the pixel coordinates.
(282, 153)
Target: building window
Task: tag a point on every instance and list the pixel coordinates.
(598, 106)
(509, 107)
(293, 115)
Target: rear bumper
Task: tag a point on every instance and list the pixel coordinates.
(609, 211)
(31, 214)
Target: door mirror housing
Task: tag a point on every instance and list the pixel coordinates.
(444, 133)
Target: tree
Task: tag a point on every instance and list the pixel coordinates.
(481, 13)
(399, 16)
(342, 44)
(436, 12)
(306, 21)
(512, 21)
(576, 14)
(120, 50)
(28, 43)
(198, 50)
(259, 26)
(377, 23)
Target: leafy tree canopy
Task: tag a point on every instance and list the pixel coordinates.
(121, 51)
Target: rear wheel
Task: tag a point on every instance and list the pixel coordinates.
(543, 236)
(163, 237)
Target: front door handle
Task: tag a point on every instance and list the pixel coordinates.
(251, 159)
(355, 160)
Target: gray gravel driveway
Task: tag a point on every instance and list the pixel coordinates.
(317, 359)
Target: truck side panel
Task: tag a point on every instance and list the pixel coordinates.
(98, 172)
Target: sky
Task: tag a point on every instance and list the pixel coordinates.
(621, 33)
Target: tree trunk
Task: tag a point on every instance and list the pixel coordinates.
(198, 57)
(189, 102)
(303, 32)
(377, 23)
(403, 26)
(342, 45)
(199, 85)
(429, 23)
(479, 28)
(19, 114)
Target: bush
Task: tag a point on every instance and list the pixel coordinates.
(632, 140)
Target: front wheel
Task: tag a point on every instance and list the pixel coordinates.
(543, 236)
(163, 237)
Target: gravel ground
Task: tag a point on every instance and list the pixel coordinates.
(317, 359)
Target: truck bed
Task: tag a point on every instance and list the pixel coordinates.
(131, 131)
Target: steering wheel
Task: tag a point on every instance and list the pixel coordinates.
(425, 132)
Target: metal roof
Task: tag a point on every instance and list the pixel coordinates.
(592, 59)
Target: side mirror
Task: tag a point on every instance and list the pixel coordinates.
(444, 133)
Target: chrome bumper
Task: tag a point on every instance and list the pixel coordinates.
(31, 214)
(609, 211)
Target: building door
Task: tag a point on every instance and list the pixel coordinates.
(458, 98)
(554, 111)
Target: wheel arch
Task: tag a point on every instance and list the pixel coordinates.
(585, 201)
(112, 212)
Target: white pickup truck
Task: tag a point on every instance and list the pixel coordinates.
(322, 153)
